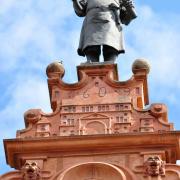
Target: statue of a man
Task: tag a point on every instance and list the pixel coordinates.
(102, 27)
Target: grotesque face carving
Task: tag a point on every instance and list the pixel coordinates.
(31, 171)
(154, 166)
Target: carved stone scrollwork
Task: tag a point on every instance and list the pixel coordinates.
(154, 166)
(32, 116)
(85, 94)
(31, 171)
(159, 110)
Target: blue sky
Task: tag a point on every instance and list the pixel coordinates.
(33, 33)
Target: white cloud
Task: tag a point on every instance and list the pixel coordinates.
(32, 27)
(26, 92)
(160, 43)
(6, 5)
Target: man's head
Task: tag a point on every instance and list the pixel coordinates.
(31, 171)
(154, 166)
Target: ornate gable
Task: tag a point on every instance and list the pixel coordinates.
(99, 128)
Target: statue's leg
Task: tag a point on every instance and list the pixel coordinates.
(109, 53)
(92, 53)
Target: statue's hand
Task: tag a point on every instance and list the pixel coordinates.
(80, 7)
(81, 4)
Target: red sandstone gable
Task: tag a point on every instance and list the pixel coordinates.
(99, 129)
(97, 104)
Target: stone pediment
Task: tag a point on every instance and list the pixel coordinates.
(95, 116)
(98, 102)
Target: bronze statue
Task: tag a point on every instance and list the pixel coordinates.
(102, 27)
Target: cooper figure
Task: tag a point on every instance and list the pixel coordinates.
(102, 27)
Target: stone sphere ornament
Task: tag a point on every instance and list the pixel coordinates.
(55, 69)
(140, 64)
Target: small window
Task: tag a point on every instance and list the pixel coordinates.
(87, 108)
(121, 119)
(74, 109)
(72, 121)
(107, 108)
(43, 127)
(56, 94)
(72, 132)
(121, 106)
(116, 132)
(91, 108)
(69, 121)
(103, 108)
(83, 109)
(69, 109)
(137, 90)
(117, 119)
(117, 107)
(42, 134)
(126, 107)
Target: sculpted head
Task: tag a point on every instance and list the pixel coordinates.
(154, 166)
(31, 171)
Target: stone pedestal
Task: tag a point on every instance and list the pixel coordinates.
(99, 130)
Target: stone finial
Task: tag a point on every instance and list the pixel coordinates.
(55, 69)
(31, 171)
(140, 64)
(154, 166)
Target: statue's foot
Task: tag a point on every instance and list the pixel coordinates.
(92, 59)
(110, 57)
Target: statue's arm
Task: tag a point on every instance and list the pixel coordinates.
(127, 11)
(80, 7)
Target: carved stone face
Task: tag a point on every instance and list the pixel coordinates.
(31, 171)
(154, 166)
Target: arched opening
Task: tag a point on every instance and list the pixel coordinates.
(93, 171)
(95, 127)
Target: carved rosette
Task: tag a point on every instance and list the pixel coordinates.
(154, 166)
